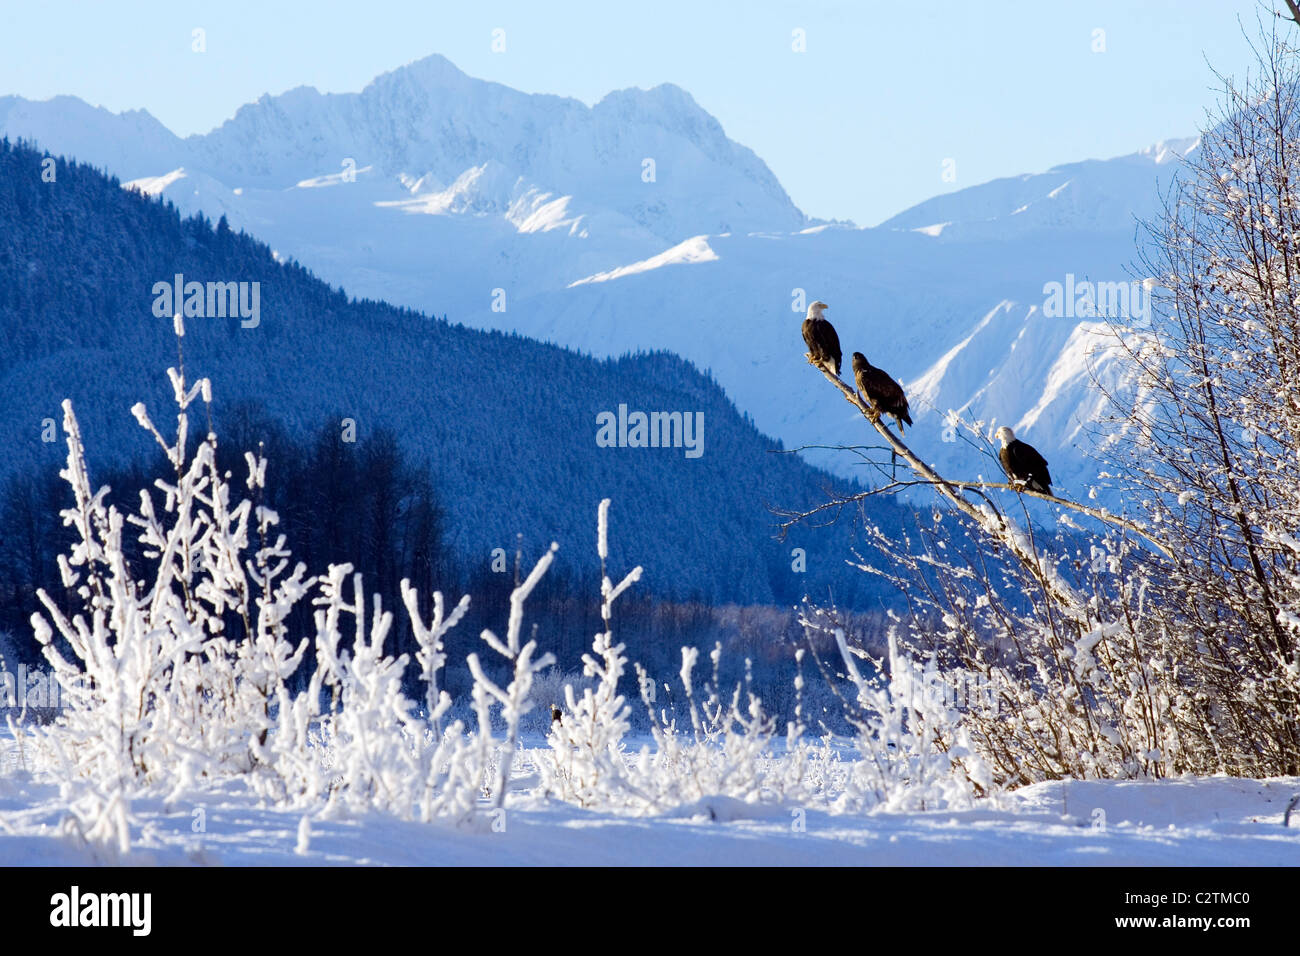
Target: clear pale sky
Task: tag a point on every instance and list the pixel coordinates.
(857, 127)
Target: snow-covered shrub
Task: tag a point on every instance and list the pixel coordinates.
(153, 683)
(1063, 687)
(587, 740)
(179, 667)
(722, 753)
(369, 729)
(515, 699)
(914, 751)
(727, 751)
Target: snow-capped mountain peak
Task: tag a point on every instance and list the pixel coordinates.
(617, 227)
(1170, 150)
(649, 163)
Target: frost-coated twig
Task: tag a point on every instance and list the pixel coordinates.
(1100, 514)
(514, 698)
(586, 741)
(430, 656)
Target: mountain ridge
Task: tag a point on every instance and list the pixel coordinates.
(535, 218)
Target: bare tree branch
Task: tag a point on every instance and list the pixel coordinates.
(987, 518)
(1099, 513)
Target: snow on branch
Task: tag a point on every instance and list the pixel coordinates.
(988, 518)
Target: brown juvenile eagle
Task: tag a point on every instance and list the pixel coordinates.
(823, 343)
(880, 391)
(1022, 463)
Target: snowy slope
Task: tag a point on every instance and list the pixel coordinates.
(532, 213)
(1093, 196)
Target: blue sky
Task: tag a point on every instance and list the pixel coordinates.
(858, 126)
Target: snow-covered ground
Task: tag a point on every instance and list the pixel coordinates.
(1217, 821)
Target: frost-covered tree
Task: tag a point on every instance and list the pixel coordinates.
(1211, 445)
(1167, 642)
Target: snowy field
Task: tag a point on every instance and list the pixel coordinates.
(1217, 821)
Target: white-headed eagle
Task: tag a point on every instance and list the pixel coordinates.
(1022, 463)
(823, 343)
(880, 391)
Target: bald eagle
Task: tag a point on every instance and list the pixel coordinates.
(823, 343)
(1022, 463)
(880, 391)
